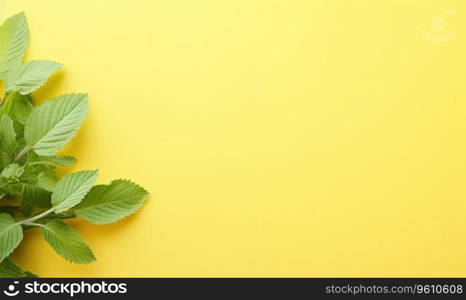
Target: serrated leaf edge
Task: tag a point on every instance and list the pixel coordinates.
(60, 65)
(76, 131)
(73, 262)
(143, 201)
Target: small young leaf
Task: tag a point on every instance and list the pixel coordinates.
(42, 176)
(12, 171)
(14, 39)
(52, 124)
(66, 242)
(33, 197)
(71, 189)
(47, 179)
(18, 107)
(8, 140)
(109, 203)
(21, 109)
(11, 235)
(29, 76)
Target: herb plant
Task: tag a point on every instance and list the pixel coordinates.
(31, 194)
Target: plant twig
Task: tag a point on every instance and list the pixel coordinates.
(34, 224)
(22, 153)
(36, 217)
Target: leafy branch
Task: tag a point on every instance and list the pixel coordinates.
(30, 138)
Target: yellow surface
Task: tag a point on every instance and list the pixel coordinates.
(278, 138)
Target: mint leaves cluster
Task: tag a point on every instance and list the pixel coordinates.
(31, 194)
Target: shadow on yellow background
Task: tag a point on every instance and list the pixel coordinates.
(277, 138)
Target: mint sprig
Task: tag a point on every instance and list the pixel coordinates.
(30, 138)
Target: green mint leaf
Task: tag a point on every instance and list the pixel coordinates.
(14, 40)
(13, 171)
(109, 203)
(47, 179)
(29, 76)
(18, 107)
(8, 140)
(53, 124)
(9, 269)
(21, 109)
(11, 235)
(11, 186)
(34, 197)
(66, 242)
(41, 176)
(71, 189)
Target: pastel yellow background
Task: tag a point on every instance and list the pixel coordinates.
(277, 138)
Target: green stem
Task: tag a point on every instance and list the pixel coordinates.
(34, 224)
(66, 217)
(7, 102)
(22, 153)
(7, 96)
(35, 218)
